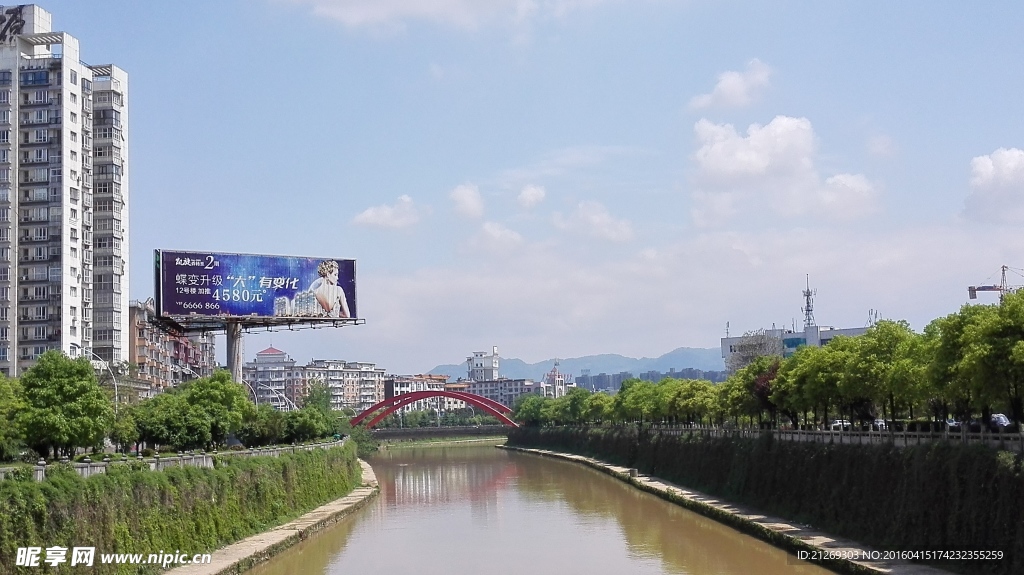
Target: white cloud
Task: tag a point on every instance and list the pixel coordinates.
(847, 196)
(735, 89)
(466, 14)
(881, 146)
(563, 162)
(468, 201)
(402, 214)
(530, 196)
(496, 237)
(997, 187)
(770, 168)
(593, 218)
(666, 296)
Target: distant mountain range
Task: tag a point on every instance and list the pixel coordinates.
(706, 359)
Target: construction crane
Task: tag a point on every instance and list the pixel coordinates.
(1003, 288)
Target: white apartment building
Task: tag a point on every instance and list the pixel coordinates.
(270, 378)
(483, 367)
(63, 197)
(395, 385)
(354, 384)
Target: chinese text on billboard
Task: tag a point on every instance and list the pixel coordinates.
(214, 284)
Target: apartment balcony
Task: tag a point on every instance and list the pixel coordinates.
(35, 318)
(35, 258)
(107, 177)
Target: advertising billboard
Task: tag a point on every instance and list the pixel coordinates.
(254, 286)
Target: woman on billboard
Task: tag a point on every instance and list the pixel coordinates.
(329, 294)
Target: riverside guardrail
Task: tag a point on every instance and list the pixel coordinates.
(88, 468)
(997, 440)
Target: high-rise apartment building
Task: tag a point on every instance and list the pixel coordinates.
(63, 196)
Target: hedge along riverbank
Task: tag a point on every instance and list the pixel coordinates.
(938, 496)
(191, 509)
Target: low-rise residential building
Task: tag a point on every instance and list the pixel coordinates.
(505, 391)
(278, 380)
(160, 360)
(395, 385)
(274, 379)
(353, 384)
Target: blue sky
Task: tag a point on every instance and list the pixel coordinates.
(571, 177)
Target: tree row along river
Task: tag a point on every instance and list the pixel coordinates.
(477, 509)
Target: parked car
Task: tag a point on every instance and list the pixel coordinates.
(953, 424)
(1000, 420)
(840, 425)
(880, 425)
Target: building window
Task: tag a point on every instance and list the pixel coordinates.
(74, 118)
(74, 77)
(74, 136)
(5, 136)
(74, 97)
(5, 96)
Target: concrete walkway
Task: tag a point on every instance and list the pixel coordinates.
(779, 532)
(241, 556)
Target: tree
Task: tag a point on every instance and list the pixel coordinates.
(318, 396)
(223, 401)
(265, 426)
(576, 401)
(637, 400)
(529, 409)
(10, 405)
(64, 405)
(692, 400)
(598, 407)
(994, 356)
(170, 419)
(124, 430)
(305, 424)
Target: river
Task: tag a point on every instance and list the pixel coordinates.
(466, 509)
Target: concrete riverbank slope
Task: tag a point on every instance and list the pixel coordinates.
(832, 552)
(950, 505)
(245, 554)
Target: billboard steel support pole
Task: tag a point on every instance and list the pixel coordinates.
(234, 333)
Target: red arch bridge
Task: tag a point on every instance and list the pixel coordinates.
(389, 406)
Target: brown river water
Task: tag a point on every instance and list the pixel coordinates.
(474, 509)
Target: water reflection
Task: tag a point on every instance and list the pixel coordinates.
(467, 509)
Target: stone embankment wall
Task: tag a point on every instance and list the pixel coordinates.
(939, 496)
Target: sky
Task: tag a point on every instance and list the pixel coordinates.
(571, 177)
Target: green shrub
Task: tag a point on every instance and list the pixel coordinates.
(133, 510)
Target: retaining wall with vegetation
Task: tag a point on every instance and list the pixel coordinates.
(131, 509)
(938, 496)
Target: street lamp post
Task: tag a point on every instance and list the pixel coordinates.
(106, 365)
(278, 394)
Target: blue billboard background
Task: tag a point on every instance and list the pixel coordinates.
(216, 284)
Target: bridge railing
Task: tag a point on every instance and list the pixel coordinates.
(88, 468)
(998, 439)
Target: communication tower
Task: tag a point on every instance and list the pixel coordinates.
(808, 308)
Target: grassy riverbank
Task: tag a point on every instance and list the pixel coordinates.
(428, 442)
(195, 510)
(937, 496)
